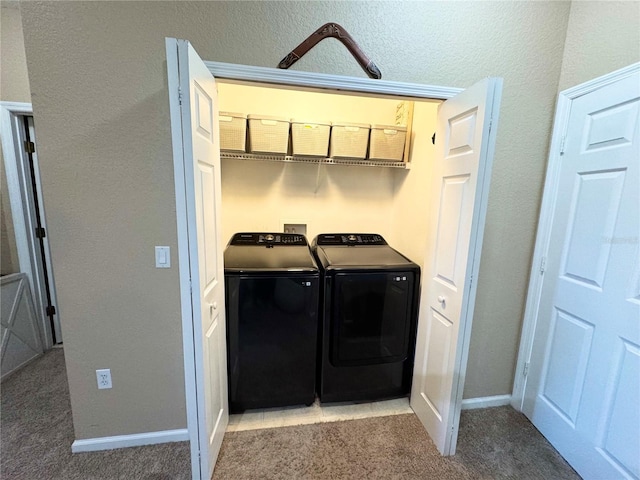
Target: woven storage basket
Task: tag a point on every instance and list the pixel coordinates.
(233, 131)
(268, 134)
(387, 142)
(310, 138)
(349, 140)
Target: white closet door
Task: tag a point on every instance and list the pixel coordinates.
(583, 390)
(465, 140)
(201, 150)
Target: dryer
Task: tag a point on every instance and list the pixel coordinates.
(369, 300)
(272, 288)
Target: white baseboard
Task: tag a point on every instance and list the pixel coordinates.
(133, 440)
(486, 402)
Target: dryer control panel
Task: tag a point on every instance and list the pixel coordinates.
(269, 239)
(356, 239)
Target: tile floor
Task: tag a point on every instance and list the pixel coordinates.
(316, 413)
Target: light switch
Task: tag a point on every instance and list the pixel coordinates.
(163, 257)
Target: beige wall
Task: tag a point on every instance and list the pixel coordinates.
(264, 195)
(411, 208)
(601, 37)
(14, 81)
(8, 252)
(98, 78)
(14, 87)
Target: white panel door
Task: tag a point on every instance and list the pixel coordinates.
(201, 150)
(465, 140)
(583, 390)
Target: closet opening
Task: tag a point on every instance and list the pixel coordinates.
(261, 192)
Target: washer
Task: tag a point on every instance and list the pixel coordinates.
(370, 308)
(272, 287)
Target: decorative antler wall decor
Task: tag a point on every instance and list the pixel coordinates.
(336, 31)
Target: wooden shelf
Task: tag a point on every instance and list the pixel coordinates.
(314, 160)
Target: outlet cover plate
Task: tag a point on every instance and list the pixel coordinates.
(299, 228)
(103, 377)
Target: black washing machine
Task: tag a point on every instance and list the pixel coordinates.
(272, 287)
(369, 298)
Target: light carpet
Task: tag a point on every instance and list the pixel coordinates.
(496, 443)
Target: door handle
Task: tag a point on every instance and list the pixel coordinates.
(442, 301)
(212, 307)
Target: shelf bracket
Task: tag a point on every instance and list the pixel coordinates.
(336, 31)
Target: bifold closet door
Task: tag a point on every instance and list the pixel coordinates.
(465, 139)
(195, 128)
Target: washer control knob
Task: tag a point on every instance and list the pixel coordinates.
(269, 238)
(352, 238)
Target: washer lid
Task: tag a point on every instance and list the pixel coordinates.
(371, 256)
(268, 252)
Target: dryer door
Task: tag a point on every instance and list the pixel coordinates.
(371, 318)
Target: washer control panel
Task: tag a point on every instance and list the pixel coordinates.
(269, 239)
(359, 239)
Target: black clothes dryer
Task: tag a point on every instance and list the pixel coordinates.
(272, 287)
(369, 314)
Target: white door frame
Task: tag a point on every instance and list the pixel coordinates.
(271, 76)
(561, 122)
(23, 213)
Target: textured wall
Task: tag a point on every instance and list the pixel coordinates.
(14, 81)
(8, 252)
(98, 79)
(14, 87)
(601, 37)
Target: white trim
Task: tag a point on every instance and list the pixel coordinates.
(563, 109)
(486, 402)
(334, 82)
(12, 154)
(173, 77)
(23, 213)
(133, 440)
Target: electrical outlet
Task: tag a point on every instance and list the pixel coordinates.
(104, 378)
(299, 228)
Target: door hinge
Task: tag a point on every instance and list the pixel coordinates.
(180, 95)
(51, 311)
(525, 371)
(29, 147)
(543, 265)
(433, 139)
(562, 142)
(40, 232)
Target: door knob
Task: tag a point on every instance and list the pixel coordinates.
(442, 300)
(215, 305)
